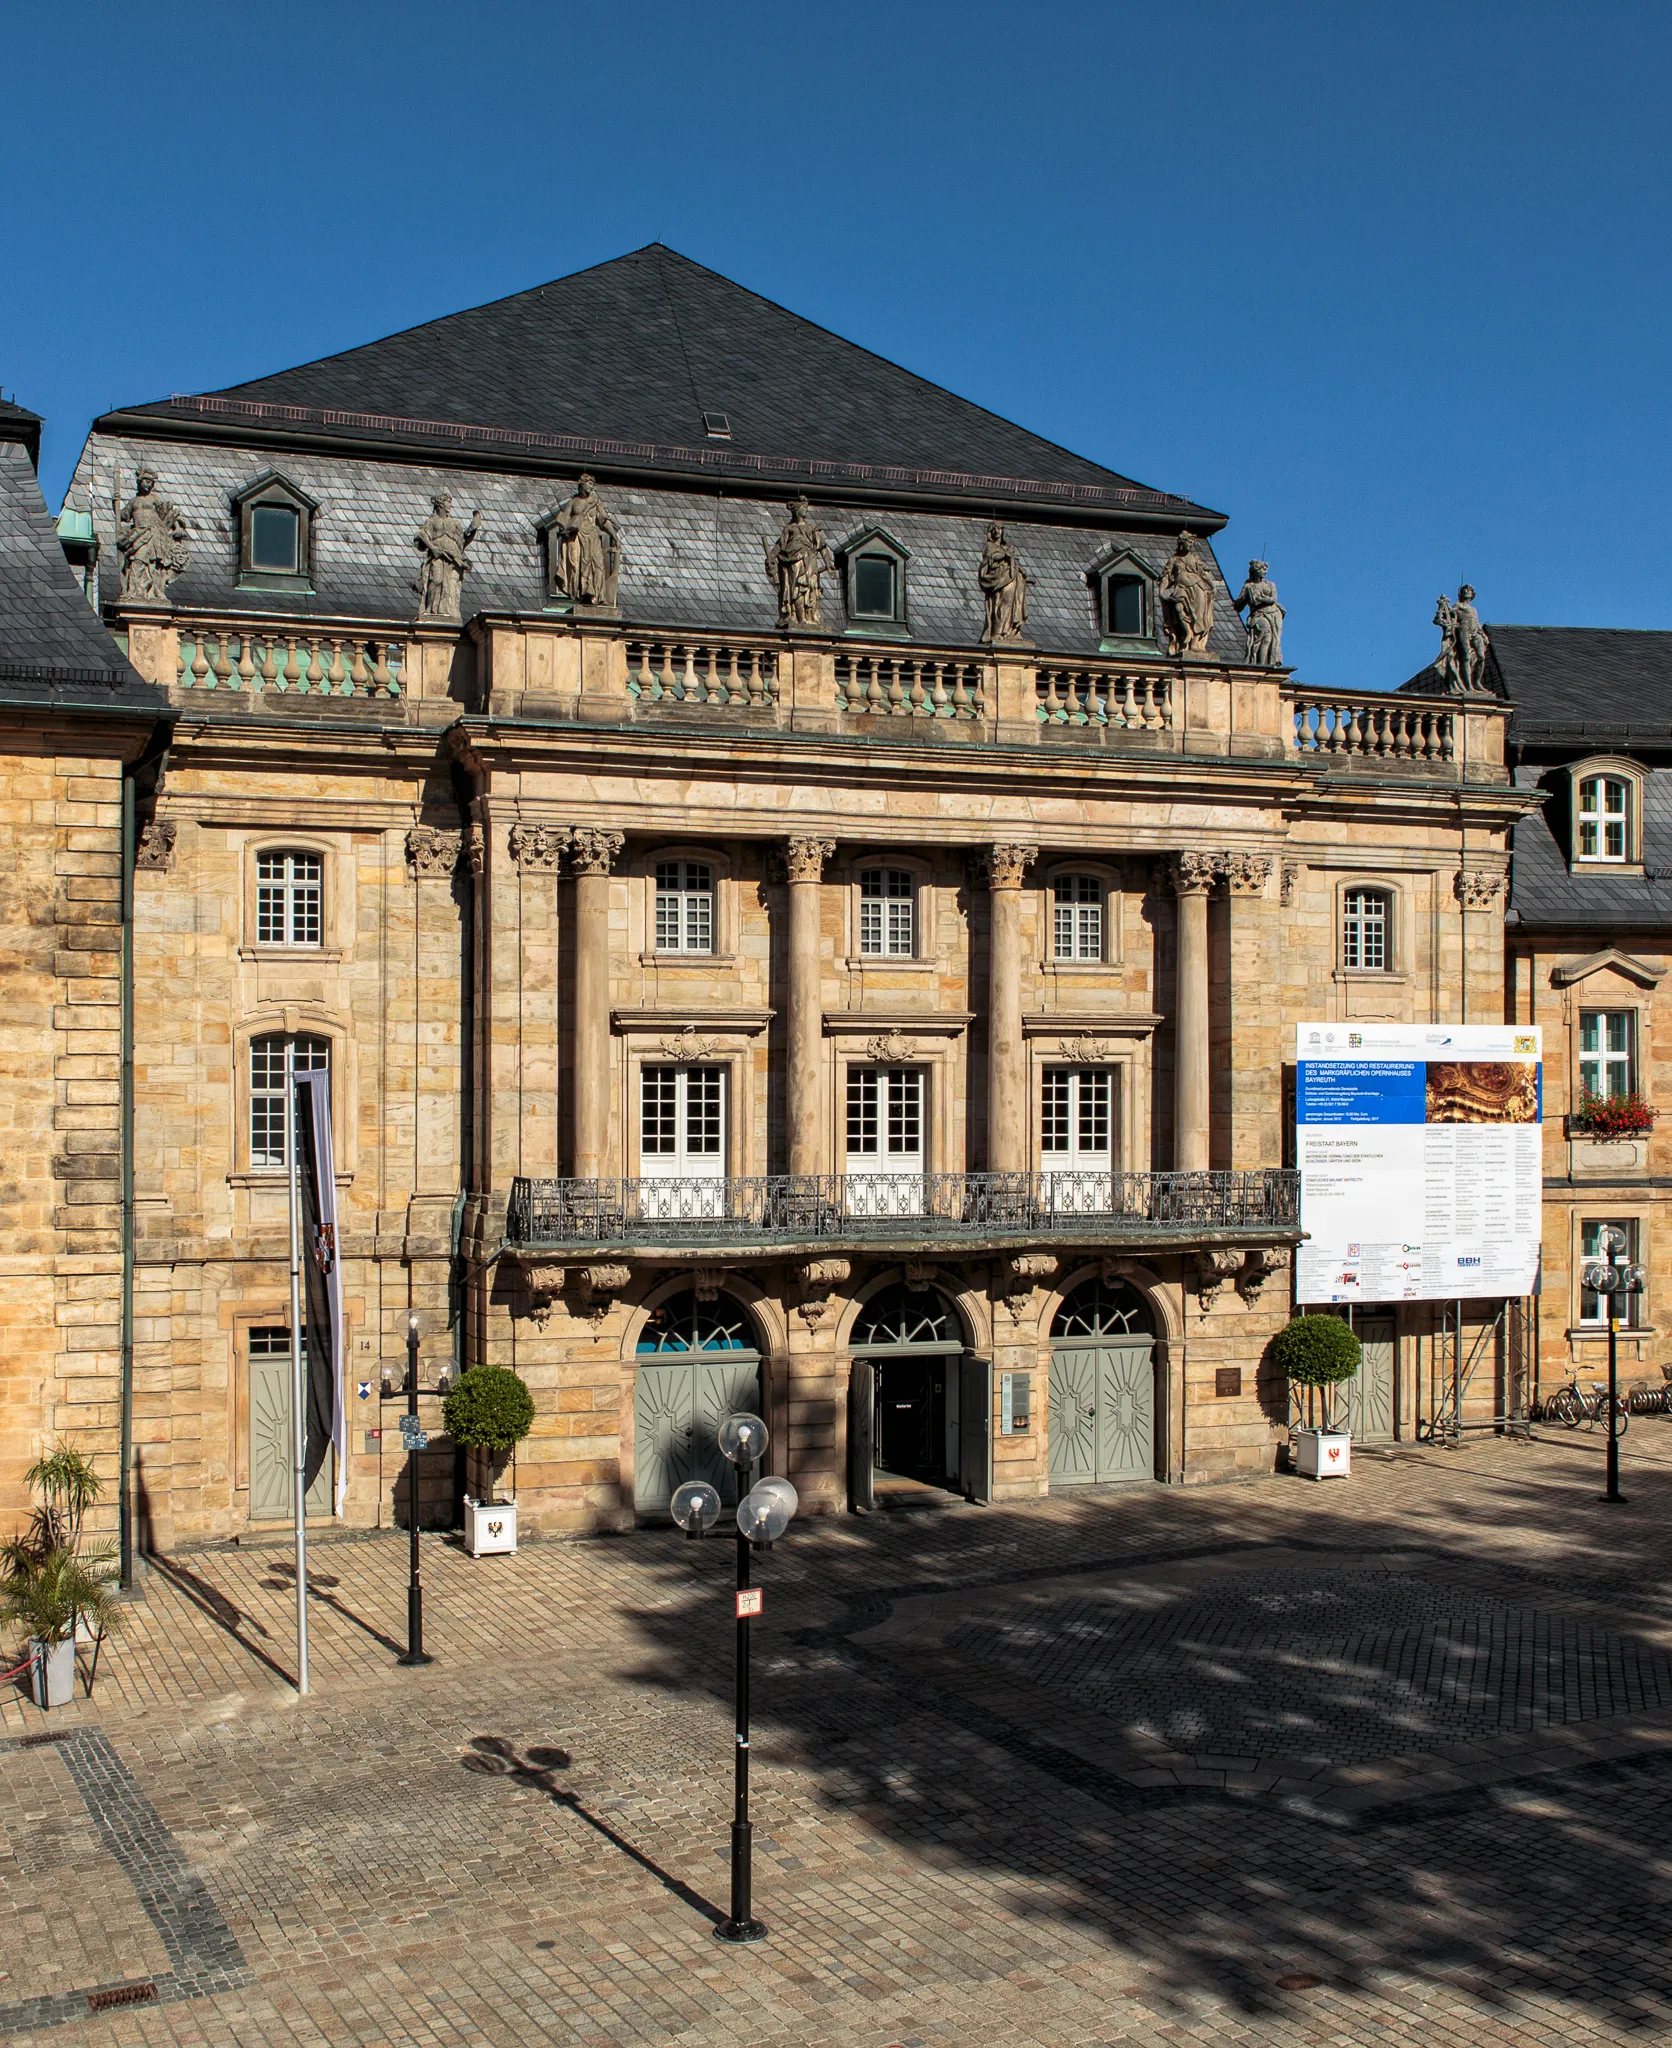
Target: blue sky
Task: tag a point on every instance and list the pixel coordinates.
(1387, 284)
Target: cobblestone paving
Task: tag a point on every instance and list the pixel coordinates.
(957, 1841)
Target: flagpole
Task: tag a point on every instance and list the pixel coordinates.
(298, 1392)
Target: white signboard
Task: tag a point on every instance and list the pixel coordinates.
(1421, 1159)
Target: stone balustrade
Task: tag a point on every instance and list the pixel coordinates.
(715, 676)
(909, 686)
(1390, 728)
(283, 661)
(1112, 699)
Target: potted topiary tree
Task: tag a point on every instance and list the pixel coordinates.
(489, 1412)
(48, 1595)
(1318, 1353)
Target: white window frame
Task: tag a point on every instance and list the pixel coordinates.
(1606, 1060)
(889, 1106)
(267, 1087)
(1080, 919)
(1356, 928)
(1632, 1307)
(684, 908)
(1601, 821)
(1077, 1107)
(290, 903)
(887, 918)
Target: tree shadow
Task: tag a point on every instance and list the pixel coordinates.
(1221, 1892)
(494, 1757)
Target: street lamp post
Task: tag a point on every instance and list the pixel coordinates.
(763, 1514)
(1610, 1276)
(413, 1439)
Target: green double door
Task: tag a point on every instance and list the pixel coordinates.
(679, 1403)
(1369, 1395)
(273, 1446)
(1102, 1411)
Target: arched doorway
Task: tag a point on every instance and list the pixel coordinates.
(698, 1362)
(907, 1345)
(1102, 1386)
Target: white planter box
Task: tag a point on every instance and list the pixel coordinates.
(1606, 1158)
(489, 1530)
(1323, 1453)
(52, 1674)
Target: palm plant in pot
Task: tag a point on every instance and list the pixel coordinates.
(1318, 1353)
(69, 1487)
(489, 1412)
(47, 1596)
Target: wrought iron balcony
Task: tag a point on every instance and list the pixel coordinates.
(857, 1210)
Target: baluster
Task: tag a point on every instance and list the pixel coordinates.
(246, 660)
(335, 674)
(269, 667)
(381, 682)
(915, 701)
(200, 660)
(359, 675)
(692, 685)
(962, 706)
(221, 660)
(1402, 733)
(1447, 729)
(940, 704)
(876, 700)
(977, 693)
(1430, 736)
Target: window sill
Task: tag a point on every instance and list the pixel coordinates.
(1106, 970)
(325, 953)
(1607, 867)
(1597, 1333)
(274, 1177)
(274, 579)
(688, 959)
(895, 963)
(1378, 977)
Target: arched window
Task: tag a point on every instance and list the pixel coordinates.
(269, 1097)
(1364, 930)
(683, 1324)
(903, 1315)
(1078, 930)
(1102, 1308)
(1604, 817)
(289, 898)
(887, 925)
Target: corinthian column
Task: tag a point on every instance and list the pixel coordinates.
(1007, 1103)
(804, 861)
(592, 853)
(1194, 875)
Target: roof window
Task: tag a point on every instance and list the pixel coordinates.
(717, 426)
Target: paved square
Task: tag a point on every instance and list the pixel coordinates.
(1099, 1769)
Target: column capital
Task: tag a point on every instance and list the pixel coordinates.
(1248, 873)
(538, 848)
(804, 858)
(432, 851)
(1002, 866)
(1194, 874)
(1477, 888)
(593, 851)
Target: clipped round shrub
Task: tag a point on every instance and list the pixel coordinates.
(1316, 1351)
(489, 1410)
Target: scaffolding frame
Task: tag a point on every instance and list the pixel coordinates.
(1507, 1343)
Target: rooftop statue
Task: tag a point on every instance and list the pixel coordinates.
(1461, 663)
(1264, 624)
(443, 542)
(1186, 599)
(1004, 585)
(151, 539)
(798, 561)
(585, 548)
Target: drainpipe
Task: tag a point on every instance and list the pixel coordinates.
(125, 1139)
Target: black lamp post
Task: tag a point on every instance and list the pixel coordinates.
(1612, 1275)
(762, 1517)
(413, 1437)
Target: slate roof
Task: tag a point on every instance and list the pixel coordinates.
(51, 644)
(17, 423)
(620, 362)
(689, 559)
(1568, 682)
(1545, 891)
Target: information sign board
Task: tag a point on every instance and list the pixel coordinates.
(1421, 1158)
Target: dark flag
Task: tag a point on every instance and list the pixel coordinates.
(322, 1320)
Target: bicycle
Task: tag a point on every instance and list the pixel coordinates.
(1571, 1406)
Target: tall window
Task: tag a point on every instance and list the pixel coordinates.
(1593, 1308)
(684, 907)
(289, 898)
(1125, 607)
(1364, 929)
(1079, 917)
(1602, 818)
(276, 539)
(682, 1119)
(886, 924)
(885, 1116)
(876, 587)
(1606, 1065)
(270, 1099)
(1075, 1114)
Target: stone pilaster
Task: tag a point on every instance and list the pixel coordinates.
(1193, 877)
(593, 853)
(1003, 866)
(804, 860)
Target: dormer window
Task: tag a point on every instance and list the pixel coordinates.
(1603, 818)
(1125, 592)
(875, 571)
(275, 535)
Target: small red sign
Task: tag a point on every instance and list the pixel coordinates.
(748, 1602)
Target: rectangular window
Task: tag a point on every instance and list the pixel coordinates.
(1593, 1308)
(272, 1341)
(274, 534)
(874, 587)
(1079, 917)
(1606, 1065)
(1364, 929)
(885, 913)
(1056, 1115)
(1602, 818)
(289, 899)
(885, 1116)
(1076, 1115)
(684, 907)
(682, 1120)
(1123, 600)
(270, 1099)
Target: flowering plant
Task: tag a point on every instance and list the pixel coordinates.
(1612, 1116)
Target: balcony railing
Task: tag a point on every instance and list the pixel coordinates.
(1389, 728)
(709, 676)
(276, 661)
(1104, 698)
(857, 1208)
